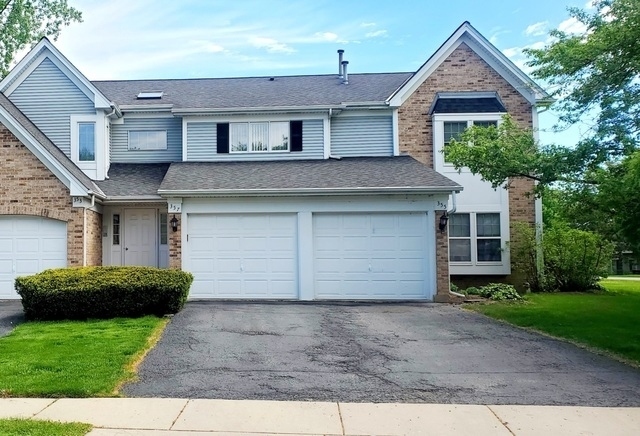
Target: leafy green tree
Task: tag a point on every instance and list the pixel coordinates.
(24, 22)
(595, 76)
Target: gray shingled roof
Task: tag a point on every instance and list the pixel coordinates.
(251, 92)
(133, 180)
(57, 154)
(357, 173)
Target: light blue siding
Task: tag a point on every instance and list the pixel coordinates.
(362, 136)
(48, 97)
(120, 140)
(202, 145)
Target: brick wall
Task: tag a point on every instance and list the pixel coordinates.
(27, 187)
(462, 71)
(94, 238)
(442, 262)
(175, 244)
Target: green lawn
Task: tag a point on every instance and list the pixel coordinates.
(608, 321)
(74, 358)
(23, 427)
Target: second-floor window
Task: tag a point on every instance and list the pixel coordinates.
(453, 130)
(258, 137)
(147, 140)
(86, 142)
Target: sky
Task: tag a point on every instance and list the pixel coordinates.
(154, 39)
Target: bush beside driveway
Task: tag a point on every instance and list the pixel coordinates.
(363, 352)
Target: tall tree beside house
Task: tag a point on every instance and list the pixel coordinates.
(24, 22)
(594, 76)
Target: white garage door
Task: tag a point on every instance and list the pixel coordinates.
(29, 245)
(370, 256)
(243, 256)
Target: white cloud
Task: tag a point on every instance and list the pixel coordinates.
(537, 29)
(368, 24)
(572, 26)
(270, 44)
(327, 36)
(376, 34)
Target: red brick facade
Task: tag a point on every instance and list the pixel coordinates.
(462, 71)
(27, 187)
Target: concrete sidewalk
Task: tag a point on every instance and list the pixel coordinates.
(180, 417)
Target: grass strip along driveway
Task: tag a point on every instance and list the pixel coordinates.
(23, 427)
(604, 320)
(74, 358)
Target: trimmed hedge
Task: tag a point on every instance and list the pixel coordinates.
(103, 292)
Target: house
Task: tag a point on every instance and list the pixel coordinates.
(292, 187)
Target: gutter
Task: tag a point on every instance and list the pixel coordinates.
(309, 191)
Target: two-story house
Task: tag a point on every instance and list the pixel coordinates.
(286, 187)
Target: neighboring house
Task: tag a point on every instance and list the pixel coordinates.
(294, 187)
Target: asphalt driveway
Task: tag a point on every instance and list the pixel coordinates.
(11, 314)
(373, 353)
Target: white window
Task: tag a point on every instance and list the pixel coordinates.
(475, 238)
(147, 139)
(258, 137)
(87, 142)
(453, 130)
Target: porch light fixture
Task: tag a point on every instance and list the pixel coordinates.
(443, 222)
(174, 223)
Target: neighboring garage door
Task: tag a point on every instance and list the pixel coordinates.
(250, 256)
(29, 245)
(370, 256)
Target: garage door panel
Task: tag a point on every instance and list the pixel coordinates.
(249, 255)
(29, 245)
(370, 255)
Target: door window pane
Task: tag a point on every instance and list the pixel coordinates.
(163, 229)
(116, 229)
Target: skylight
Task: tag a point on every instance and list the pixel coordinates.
(150, 95)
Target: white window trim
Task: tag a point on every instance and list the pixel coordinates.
(474, 266)
(438, 133)
(75, 120)
(166, 140)
(268, 150)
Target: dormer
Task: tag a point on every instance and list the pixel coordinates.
(64, 105)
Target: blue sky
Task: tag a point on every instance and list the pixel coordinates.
(134, 39)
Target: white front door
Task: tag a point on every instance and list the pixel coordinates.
(140, 237)
(249, 256)
(28, 245)
(370, 256)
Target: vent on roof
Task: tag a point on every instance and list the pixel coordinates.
(151, 95)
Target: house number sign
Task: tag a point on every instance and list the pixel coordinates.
(175, 207)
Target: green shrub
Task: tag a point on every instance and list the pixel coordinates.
(453, 287)
(498, 292)
(472, 290)
(103, 292)
(573, 260)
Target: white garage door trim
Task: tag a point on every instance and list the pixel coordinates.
(28, 245)
(379, 256)
(243, 256)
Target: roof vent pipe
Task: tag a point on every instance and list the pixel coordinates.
(340, 54)
(345, 76)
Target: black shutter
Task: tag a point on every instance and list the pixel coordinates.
(295, 130)
(223, 137)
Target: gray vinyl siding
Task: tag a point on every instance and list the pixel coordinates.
(48, 97)
(202, 145)
(362, 136)
(120, 152)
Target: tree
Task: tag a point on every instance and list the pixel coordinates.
(25, 22)
(595, 77)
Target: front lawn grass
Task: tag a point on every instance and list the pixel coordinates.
(74, 358)
(23, 427)
(604, 320)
